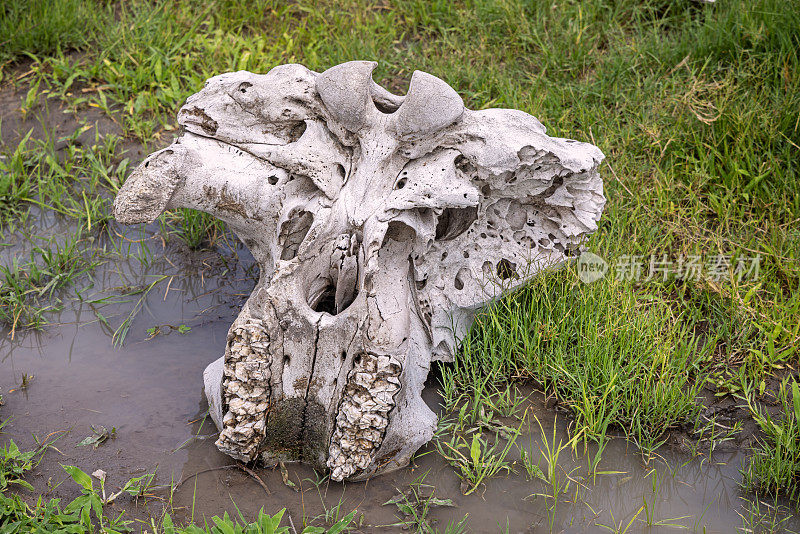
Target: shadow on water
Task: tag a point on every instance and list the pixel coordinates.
(150, 391)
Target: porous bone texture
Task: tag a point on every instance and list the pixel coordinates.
(380, 224)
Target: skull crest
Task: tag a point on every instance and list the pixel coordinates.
(380, 224)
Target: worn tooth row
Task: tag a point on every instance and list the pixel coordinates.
(245, 384)
(363, 414)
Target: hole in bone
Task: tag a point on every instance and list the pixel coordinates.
(465, 166)
(455, 221)
(517, 216)
(244, 86)
(297, 131)
(506, 269)
(344, 355)
(293, 232)
(340, 170)
(286, 359)
(384, 105)
(558, 181)
(326, 300)
(421, 284)
(398, 231)
(368, 283)
(357, 359)
(322, 298)
(463, 273)
(401, 183)
(273, 180)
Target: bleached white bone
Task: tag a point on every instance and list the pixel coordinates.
(380, 224)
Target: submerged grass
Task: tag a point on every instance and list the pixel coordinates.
(696, 106)
(73, 180)
(29, 289)
(89, 511)
(774, 468)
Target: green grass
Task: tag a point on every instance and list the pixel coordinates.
(45, 26)
(774, 468)
(30, 288)
(74, 182)
(696, 107)
(89, 512)
(618, 358)
(195, 228)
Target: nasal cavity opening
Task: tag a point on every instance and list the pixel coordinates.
(326, 300)
(325, 296)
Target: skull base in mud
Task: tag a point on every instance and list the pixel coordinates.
(380, 223)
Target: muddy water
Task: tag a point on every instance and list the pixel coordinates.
(150, 392)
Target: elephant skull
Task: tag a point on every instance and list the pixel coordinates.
(380, 224)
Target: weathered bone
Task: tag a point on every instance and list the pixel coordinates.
(380, 224)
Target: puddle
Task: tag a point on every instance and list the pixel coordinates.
(150, 391)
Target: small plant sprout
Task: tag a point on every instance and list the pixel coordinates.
(474, 457)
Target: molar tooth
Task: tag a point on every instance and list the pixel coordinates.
(240, 372)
